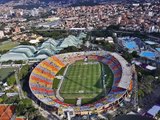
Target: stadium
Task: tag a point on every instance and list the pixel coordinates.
(88, 82)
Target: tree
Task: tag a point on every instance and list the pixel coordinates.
(113, 27)
(145, 86)
(26, 102)
(134, 54)
(1, 100)
(39, 117)
(24, 71)
(25, 108)
(11, 80)
(141, 93)
(18, 62)
(13, 99)
(32, 113)
(26, 43)
(20, 110)
(149, 79)
(127, 56)
(55, 34)
(4, 97)
(108, 46)
(70, 49)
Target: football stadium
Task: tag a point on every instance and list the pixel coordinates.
(82, 82)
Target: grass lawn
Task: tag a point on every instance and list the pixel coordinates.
(56, 81)
(8, 45)
(109, 78)
(83, 79)
(5, 72)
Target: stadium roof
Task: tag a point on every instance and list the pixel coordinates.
(28, 52)
(50, 41)
(149, 67)
(50, 44)
(70, 41)
(82, 35)
(126, 74)
(32, 48)
(151, 42)
(13, 56)
(21, 52)
(45, 51)
(154, 110)
(41, 56)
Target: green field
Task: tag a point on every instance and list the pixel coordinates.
(109, 78)
(56, 81)
(8, 45)
(5, 73)
(84, 80)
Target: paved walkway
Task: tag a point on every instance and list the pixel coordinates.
(19, 87)
(60, 84)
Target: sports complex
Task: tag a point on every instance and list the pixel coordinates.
(82, 82)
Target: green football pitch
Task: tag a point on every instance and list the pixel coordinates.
(84, 80)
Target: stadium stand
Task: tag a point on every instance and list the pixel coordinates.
(42, 79)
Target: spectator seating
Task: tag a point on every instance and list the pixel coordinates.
(42, 79)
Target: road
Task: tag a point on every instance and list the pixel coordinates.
(20, 91)
(46, 114)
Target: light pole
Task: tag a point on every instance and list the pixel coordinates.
(104, 84)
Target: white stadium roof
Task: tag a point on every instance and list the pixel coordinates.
(154, 110)
(126, 72)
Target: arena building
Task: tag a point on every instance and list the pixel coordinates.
(43, 75)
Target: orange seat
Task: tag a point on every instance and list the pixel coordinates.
(57, 61)
(49, 66)
(43, 73)
(39, 80)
